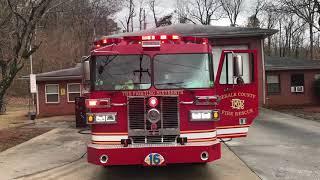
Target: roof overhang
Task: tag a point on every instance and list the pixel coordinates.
(54, 78)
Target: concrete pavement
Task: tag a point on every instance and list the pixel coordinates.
(50, 150)
(230, 167)
(58, 154)
(281, 146)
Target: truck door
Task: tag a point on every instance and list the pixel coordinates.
(238, 94)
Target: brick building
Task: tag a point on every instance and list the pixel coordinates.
(57, 89)
(290, 81)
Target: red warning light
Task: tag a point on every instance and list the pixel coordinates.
(153, 102)
(163, 37)
(175, 37)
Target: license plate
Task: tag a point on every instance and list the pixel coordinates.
(154, 159)
(100, 118)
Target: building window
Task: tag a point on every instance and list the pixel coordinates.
(52, 93)
(297, 83)
(73, 91)
(273, 84)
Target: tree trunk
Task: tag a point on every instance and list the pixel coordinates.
(131, 24)
(311, 40)
(269, 46)
(280, 38)
(2, 103)
(144, 20)
(155, 19)
(140, 18)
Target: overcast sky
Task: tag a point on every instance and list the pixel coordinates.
(167, 6)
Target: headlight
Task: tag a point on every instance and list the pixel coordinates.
(204, 115)
(102, 118)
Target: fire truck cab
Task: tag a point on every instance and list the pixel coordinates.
(161, 99)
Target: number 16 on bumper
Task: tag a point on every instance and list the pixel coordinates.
(154, 159)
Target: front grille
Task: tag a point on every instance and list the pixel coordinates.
(140, 129)
(154, 139)
(136, 113)
(169, 107)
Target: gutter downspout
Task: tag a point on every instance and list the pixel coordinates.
(37, 95)
(263, 73)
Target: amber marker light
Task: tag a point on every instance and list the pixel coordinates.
(90, 118)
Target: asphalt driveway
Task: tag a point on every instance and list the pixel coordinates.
(281, 146)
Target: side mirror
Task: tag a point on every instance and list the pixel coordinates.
(237, 66)
(86, 70)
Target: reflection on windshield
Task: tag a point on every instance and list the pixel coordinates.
(174, 71)
(122, 72)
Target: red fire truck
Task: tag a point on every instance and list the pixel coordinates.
(160, 99)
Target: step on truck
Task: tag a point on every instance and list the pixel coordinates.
(161, 99)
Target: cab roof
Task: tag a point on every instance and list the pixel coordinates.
(207, 31)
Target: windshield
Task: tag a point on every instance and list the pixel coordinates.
(122, 72)
(174, 71)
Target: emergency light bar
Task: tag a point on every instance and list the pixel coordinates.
(105, 42)
(149, 41)
(159, 37)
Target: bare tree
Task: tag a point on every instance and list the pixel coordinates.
(297, 38)
(141, 10)
(142, 16)
(152, 6)
(317, 4)
(306, 10)
(165, 20)
(253, 20)
(66, 32)
(204, 11)
(129, 18)
(144, 19)
(18, 22)
(198, 11)
(182, 11)
(271, 17)
(232, 8)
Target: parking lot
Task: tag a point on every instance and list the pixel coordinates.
(279, 146)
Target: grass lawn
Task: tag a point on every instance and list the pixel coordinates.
(16, 128)
(15, 115)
